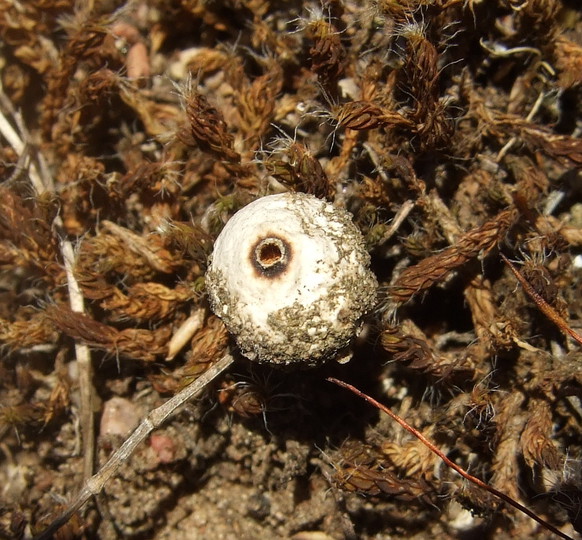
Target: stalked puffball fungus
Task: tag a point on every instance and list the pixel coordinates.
(290, 278)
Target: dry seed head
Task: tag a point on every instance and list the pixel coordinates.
(289, 277)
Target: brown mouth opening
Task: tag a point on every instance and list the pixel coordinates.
(270, 256)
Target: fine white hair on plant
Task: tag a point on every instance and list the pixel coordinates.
(314, 15)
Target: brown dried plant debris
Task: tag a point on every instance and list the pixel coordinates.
(26, 239)
(327, 54)
(128, 254)
(569, 62)
(36, 329)
(26, 28)
(85, 44)
(417, 354)
(293, 165)
(103, 262)
(368, 470)
(255, 101)
(432, 122)
(510, 421)
(548, 310)
(436, 268)
(363, 115)
(147, 302)
(537, 446)
(137, 344)
(563, 148)
(207, 344)
(207, 129)
(449, 129)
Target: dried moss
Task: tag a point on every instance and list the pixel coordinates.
(141, 128)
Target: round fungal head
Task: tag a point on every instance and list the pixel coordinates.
(290, 278)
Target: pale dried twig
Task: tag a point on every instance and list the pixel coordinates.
(83, 355)
(400, 216)
(185, 332)
(43, 184)
(14, 140)
(153, 420)
(529, 118)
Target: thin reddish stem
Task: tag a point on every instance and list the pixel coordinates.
(447, 461)
(545, 308)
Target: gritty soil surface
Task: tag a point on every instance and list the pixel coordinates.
(449, 129)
